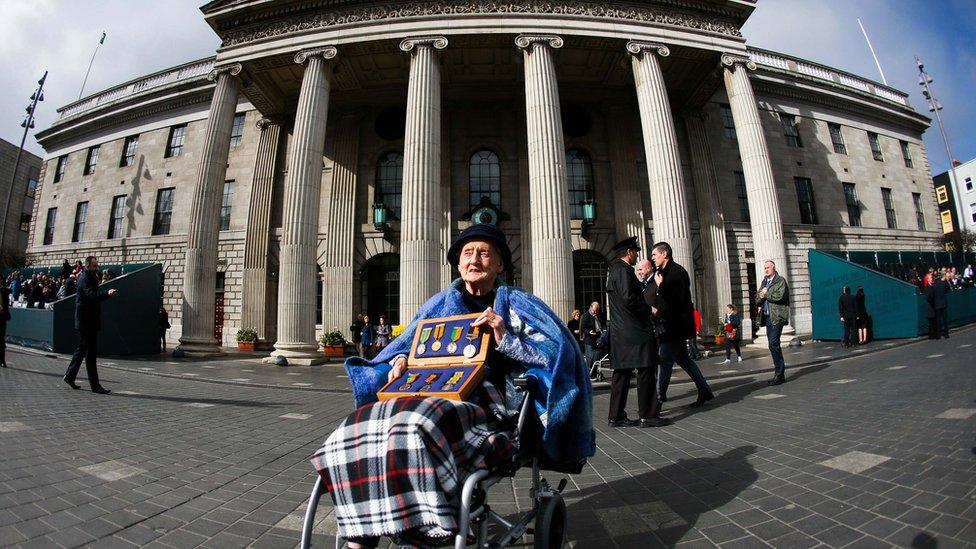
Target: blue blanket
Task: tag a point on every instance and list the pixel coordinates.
(535, 337)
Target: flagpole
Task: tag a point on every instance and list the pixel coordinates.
(870, 47)
(90, 63)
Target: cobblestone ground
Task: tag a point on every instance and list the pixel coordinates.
(876, 450)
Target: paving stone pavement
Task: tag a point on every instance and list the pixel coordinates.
(849, 453)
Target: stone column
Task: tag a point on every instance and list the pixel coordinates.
(200, 270)
(627, 201)
(711, 222)
(669, 206)
(255, 294)
(552, 259)
(300, 220)
(338, 272)
(767, 225)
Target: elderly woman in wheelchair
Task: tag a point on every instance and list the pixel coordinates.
(415, 469)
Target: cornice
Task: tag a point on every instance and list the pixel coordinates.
(298, 19)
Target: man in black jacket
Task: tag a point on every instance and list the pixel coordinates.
(591, 326)
(847, 307)
(676, 315)
(631, 340)
(88, 321)
(938, 302)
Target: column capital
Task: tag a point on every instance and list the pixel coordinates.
(436, 42)
(525, 41)
(326, 52)
(636, 47)
(730, 60)
(265, 121)
(233, 69)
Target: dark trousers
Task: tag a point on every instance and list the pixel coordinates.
(87, 351)
(941, 322)
(672, 353)
(3, 341)
(850, 331)
(646, 397)
(731, 343)
(773, 332)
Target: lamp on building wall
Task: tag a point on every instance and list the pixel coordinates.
(380, 219)
(589, 215)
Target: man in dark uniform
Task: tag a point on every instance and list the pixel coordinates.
(847, 307)
(674, 311)
(631, 340)
(88, 320)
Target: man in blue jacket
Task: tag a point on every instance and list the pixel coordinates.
(88, 321)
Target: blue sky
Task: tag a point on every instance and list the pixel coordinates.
(144, 36)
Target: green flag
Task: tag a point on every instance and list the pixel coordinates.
(102, 39)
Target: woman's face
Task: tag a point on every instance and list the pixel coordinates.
(366, 319)
(479, 264)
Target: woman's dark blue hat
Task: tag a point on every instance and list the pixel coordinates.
(485, 232)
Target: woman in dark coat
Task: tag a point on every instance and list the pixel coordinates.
(862, 317)
(4, 317)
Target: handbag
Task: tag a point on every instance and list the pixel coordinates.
(602, 340)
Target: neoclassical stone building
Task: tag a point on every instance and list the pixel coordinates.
(321, 162)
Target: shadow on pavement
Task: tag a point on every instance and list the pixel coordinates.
(667, 501)
(219, 401)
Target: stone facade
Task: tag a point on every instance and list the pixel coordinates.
(21, 196)
(606, 91)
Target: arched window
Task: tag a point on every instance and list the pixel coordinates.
(380, 288)
(579, 175)
(589, 278)
(484, 179)
(389, 182)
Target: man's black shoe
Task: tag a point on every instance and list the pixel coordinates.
(71, 384)
(701, 400)
(778, 380)
(653, 422)
(624, 422)
(101, 391)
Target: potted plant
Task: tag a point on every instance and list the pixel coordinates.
(333, 343)
(246, 339)
(719, 333)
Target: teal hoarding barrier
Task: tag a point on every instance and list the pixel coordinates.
(130, 320)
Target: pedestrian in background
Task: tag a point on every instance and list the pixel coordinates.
(774, 307)
(732, 326)
(693, 342)
(591, 326)
(862, 316)
(163, 325)
(936, 295)
(574, 327)
(356, 330)
(4, 317)
(383, 331)
(847, 308)
(88, 321)
(366, 338)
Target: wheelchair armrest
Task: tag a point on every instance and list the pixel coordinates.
(525, 383)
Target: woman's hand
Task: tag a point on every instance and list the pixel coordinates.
(399, 366)
(493, 321)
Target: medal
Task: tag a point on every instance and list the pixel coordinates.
(470, 350)
(409, 381)
(428, 381)
(455, 335)
(453, 380)
(438, 334)
(424, 336)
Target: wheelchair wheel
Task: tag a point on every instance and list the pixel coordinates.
(550, 523)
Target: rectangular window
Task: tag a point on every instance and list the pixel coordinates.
(237, 131)
(875, 147)
(969, 184)
(164, 211)
(91, 160)
(117, 219)
(837, 138)
(81, 218)
(790, 130)
(942, 194)
(60, 167)
(972, 211)
(52, 216)
(906, 154)
(728, 122)
(853, 205)
(28, 204)
(946, 217)
(174, 146)
(919, 217)
(889, 207)
(225, 205)
(129, 151)
(740, 192)
(804, 198)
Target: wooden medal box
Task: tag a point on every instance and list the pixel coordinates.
(447, 360)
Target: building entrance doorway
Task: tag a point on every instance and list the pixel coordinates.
(589, 279)
(380, 287)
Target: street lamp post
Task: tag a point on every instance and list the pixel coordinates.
(925, 81)
(27, 124)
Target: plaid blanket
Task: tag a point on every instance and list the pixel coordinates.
(399, 464)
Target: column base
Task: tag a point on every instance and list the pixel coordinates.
(197, 348)
(789, 334)
(297, 354)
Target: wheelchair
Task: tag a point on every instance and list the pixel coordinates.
(546, 520)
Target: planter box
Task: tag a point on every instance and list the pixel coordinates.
(720, 340)
(334, 351)
(246, 345)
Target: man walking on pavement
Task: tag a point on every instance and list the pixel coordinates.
(631, 340)
(774, 307)
(674, 313)
(847, 308)
(88, 321)
(591, 327)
